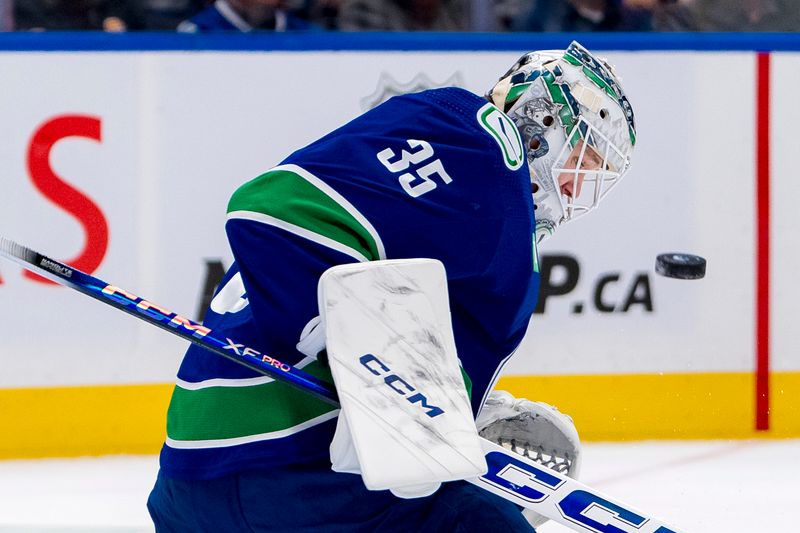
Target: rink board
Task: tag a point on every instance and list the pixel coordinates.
(156, 141)
(98, 420)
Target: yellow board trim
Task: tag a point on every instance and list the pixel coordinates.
(100, 420)
(75, 421)
(665, 406)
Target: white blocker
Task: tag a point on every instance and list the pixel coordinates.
(406, 423)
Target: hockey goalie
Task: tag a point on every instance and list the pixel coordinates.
(475, 184)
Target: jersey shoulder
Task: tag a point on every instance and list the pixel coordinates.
(457, 108)
(450, 118)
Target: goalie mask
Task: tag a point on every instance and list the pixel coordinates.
(577, 126)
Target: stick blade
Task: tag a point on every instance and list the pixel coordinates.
(15, 251)
(36, 262)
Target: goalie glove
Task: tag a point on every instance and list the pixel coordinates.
(535, 430)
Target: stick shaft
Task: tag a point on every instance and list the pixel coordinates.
(158, 316)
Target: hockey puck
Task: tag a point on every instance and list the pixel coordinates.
(681, 266)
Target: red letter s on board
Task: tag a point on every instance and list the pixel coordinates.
(65, 195)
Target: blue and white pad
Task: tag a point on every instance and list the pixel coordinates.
(406, 423)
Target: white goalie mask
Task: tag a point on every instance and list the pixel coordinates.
(578, 129)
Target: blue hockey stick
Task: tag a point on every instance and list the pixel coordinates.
(174, 323)
(510, 475)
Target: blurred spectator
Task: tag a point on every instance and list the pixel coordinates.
(584, 16)
(122, 15)
(108, 15)
(724, 15)
(404, 15)
(6, 15)
(244, 16)
(505, 12)
(162, 14)
(323, 13)
(59, 14)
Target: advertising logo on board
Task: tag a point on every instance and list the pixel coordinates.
(617, 291)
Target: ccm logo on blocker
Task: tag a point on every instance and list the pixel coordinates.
(398, 384)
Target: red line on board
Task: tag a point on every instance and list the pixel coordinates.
(762, 240)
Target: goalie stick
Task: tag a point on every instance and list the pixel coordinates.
(510, 475)
(181, 326)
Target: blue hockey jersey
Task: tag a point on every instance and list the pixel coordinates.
(439, 174)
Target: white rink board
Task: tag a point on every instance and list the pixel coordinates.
(784, 196)
(180, 131)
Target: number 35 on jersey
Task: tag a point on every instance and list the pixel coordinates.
(417, 166)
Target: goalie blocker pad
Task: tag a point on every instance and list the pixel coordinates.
(391, 350)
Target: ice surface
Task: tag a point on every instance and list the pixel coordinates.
(714, 487)
(89, 495)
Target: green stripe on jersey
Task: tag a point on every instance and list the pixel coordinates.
(220, 416)
(467, 381)
(292, 195)
(219, 412)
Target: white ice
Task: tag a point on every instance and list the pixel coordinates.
(717, 486)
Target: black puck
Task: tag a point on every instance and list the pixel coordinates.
(681, 266)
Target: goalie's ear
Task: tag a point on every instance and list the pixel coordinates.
(392, 354)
